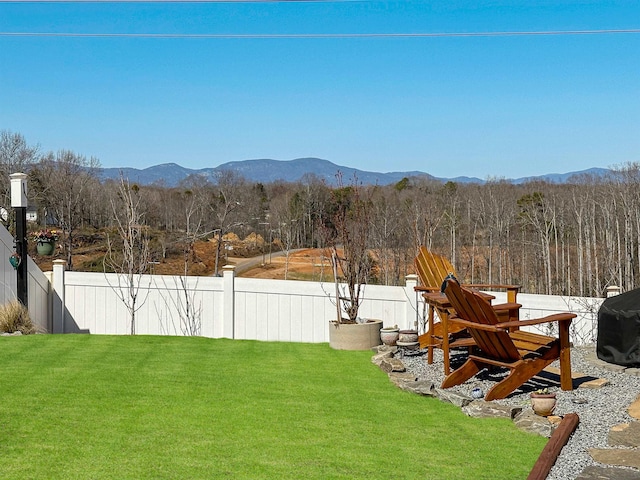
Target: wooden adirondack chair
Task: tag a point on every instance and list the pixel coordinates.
(432, 269)
(524, 353)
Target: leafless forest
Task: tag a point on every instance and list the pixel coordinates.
(570, 239)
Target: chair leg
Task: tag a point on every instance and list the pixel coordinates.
(430, 333)
(566, 382)
(462, 374)
(518, 375)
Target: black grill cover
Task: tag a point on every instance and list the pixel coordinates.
(619, 329)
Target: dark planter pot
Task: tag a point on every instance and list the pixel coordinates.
(45, 248)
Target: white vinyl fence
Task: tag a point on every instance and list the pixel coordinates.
(241, 308)
(257, 309)
(231, 307)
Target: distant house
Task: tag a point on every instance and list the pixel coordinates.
(32, 214)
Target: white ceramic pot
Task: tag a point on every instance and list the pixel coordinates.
(389, 336)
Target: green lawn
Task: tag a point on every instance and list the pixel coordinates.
(144, 407)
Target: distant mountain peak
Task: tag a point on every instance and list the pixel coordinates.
(269, 170)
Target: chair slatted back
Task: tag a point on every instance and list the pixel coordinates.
(470, 306)
(432, 268)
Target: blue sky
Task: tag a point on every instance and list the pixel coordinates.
(484, 106)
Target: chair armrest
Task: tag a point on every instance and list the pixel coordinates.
(502, 327)
(476, 326)
(512, 290)
(558, 317)
(421, 288)
(485, 295)
(493, 286)
(506, 306)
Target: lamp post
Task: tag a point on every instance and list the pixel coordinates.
(19, 204)
(264, 232)
(270, 243)
(219, 242)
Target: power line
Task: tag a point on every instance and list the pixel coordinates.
(180, 1)
(317, 35)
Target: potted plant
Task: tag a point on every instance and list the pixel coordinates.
(45, 241)
(543, 402)
(348, 233)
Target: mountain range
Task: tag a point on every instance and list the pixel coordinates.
(267, 171)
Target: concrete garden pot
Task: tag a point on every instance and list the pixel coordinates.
(543, 404)
(408, 336)
(354, 336)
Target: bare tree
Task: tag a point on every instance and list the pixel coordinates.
(130, 259)
(15, 156)
(183, 310)
(287, 213)
(65, 181)
(451, 216)
(537, 212)
(349, 233)
(224, 201)
(386, 218)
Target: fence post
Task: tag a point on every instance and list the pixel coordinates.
(228, 312)
(57, 297)
(613, 290)
(19, 203)
(411, 316)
